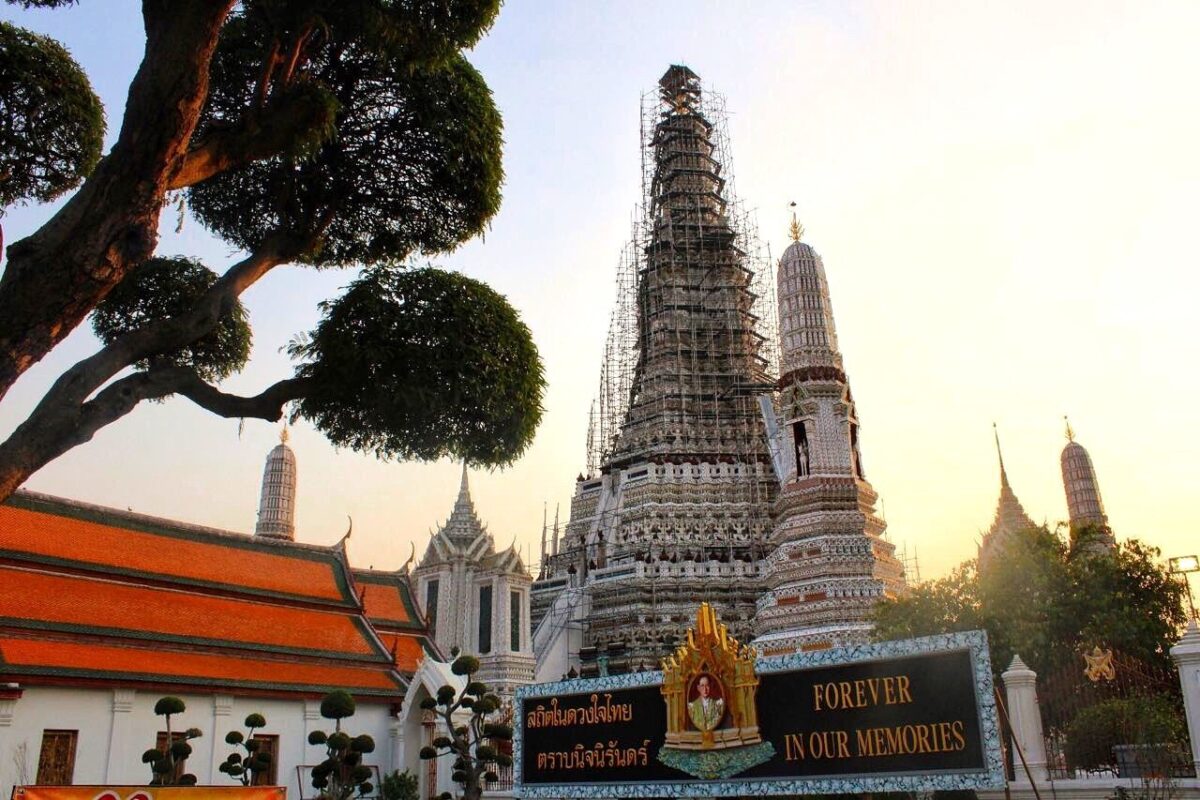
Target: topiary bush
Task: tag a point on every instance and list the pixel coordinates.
(167, 761)
(246, 768)
(477, 747)
(342, 774)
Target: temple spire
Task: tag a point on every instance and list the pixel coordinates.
(1000, 455)
(1085, 507)
(542, 567)
(1010, 518)
(277, 501)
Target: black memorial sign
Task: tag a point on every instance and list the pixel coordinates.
(907, 714)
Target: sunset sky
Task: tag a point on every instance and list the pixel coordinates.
(1005, 197)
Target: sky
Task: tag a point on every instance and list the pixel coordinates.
(1004, 196)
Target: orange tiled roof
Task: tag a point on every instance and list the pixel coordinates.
(409, 650)
(35, 526)
(99, 595)
(387, 598)
(48, 657)
(87, 603)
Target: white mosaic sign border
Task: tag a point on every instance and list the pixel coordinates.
(991, 777)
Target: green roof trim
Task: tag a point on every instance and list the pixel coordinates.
(148, 677)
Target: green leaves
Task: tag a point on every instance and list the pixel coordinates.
(342, 773)
(161, 288)
(412, 163)
(51, 122)
(337, 704)
(1048, 604)
(169, 705)
(466, 665)
(423, 364)
(255, 761)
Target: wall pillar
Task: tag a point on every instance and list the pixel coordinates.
(121, 760)
(396, 735)
(14, 771)
(221, 713)
(1186, 655)
(1020, 686)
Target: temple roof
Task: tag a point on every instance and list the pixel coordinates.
(465, 538)
(388, 601)
(104, 596)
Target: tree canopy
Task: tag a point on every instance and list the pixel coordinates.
(1048, 604)
(51, 122)
(327, 133)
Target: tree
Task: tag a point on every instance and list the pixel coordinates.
(168, 760)
(1048, 604)
(342, 773)
(53, 123)
(245, 768)
(328, 133)
(473, 745)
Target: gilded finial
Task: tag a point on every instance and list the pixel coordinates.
(1070, 430)
(283, 434)
(796, 230)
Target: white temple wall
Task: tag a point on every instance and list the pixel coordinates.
(114, 728)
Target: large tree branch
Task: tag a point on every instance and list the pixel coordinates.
(267, 405)
(262, 133)
(66, 418)
(75, 385)
(57, 275)
(53, 430)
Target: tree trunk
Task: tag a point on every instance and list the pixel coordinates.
(57, 275)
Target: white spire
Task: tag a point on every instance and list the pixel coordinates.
(556, 529)
(543, 561)
(807, 334)
(277, 504)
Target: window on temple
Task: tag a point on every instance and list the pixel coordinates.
(514, 619)
(854, 452)
(431, 604)
(160, 744)
(56, 764)
(485, 619)
(803, 456)
(269, 744)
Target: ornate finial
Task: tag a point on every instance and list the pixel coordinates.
(1000, 455)
(283, 434)
(411, 557)
(796, 230)
(1070, 430)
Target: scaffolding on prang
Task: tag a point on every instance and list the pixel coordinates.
(726, 326)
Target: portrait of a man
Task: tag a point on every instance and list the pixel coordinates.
(708, 708)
